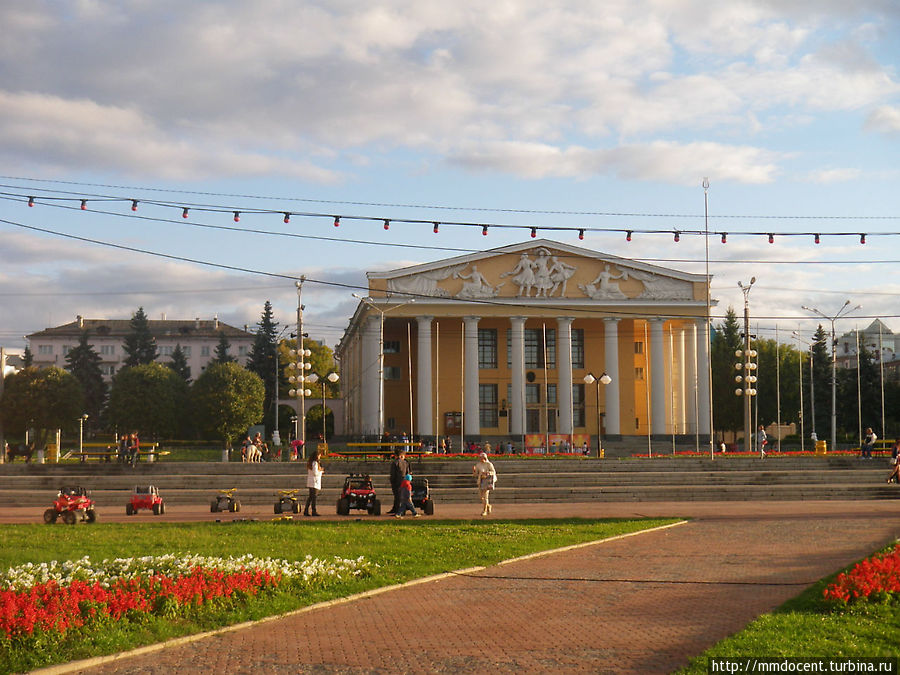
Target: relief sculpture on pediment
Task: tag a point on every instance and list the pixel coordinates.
(663, 288)
(546, 275)
(604, 287)
(424, 283)
(475, 285)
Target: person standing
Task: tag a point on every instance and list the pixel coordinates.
(314, 473)
(399, 469)
(895, 461)
(486, 478)
(868, 444)
(761, 441)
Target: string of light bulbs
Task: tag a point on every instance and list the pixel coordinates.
(337, 218)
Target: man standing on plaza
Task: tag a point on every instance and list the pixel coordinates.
(762, 441)
(399, 469)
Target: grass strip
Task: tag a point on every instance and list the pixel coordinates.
(402, 550)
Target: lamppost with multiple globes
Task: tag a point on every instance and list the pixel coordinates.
(331, 377)
(604, 379)
(81, 421)
(298, 390)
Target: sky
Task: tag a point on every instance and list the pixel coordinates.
(602, 116)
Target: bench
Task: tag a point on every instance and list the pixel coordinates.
(111, 452)
(381, 450)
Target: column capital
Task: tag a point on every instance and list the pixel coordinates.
(471, 319)
(611, 319)
(421, 320)
(563, 320)
(518, 320)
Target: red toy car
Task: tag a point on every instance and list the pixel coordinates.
(145, 497)
(72, 504)
(358, 493)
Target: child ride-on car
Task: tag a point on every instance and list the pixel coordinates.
(145, 497)
(225, 501)
(358, 493)
(72, 504)
(421, 496)
(287, 502)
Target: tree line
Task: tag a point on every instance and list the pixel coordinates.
(159, 400)
(857, 389)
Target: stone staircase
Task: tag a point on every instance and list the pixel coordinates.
(520, 480)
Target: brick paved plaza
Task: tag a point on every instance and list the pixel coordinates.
(640, 604)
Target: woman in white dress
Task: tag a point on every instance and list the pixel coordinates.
(486, 477)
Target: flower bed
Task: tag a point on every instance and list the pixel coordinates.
(874, 579)
(58, 597)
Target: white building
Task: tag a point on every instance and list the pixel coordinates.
(879, 340)
(198, 340)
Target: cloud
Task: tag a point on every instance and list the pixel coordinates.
(826, 176)
(659, 161)
(884, 119)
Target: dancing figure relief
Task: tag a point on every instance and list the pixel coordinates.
(546, 275)
(604, 287)
(475, 285)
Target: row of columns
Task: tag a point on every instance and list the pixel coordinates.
(691, 384)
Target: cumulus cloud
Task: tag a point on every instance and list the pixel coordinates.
(884, 119)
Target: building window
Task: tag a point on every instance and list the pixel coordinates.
(578, 405)
(166, 351)
(391, 423)
(45, 349)
(578, 348)
(392, 347)
(536, 352)
(107, 369)
(487, 348)
(638, 347)
(638, 373)
(204, 350)
(487, 406)
(66, 350)
(551, 393)
(392, 372)
(242, 350)
(186, 351)
(107, 350)
(532, 394)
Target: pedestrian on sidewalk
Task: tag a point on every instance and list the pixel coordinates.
(761, 441)
(486, 477)
(314, 473)
(895, 460)
(399, 468)
(406, 498)
(865, 452)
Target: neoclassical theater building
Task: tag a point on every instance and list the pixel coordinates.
(496, 346)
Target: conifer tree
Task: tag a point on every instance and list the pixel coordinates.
(179, 363)
(222, 355)
(84, 363)
(28, 357)
(140, 345)
(264, 361)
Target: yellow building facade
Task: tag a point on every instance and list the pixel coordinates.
(496, 346)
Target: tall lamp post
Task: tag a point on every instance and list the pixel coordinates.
(604, 379)
(331, 377)
(81, 421)
(842, 312)
(747, 366)
(812, 391)
(371, 303)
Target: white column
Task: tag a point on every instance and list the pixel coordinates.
(564, 373)
(517, 402)
(658, 391)
(689, 336)
(472, 423)
(424, 412)
(703, 375)
(611, 367)
(678, 338)
(369, 375)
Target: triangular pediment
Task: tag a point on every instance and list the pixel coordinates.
(539, 269)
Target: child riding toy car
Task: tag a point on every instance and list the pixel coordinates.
(72, 504)
(358, 493)
(145, 497)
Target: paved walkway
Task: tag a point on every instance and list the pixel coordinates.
(642, 604)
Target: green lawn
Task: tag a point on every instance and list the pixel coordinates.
(402, 550)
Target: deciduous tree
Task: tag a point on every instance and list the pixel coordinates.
(149, 398)
(227, 399)
(43, 399)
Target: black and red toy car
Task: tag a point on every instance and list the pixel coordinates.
(358, 493)
(145, 497)
(421, 496)
(73, 503)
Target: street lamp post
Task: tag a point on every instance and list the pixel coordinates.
(81, 421)
(748, 366)
(604, 379)
(371, 303)
(842, 312)
(812, 391)
(331, 377)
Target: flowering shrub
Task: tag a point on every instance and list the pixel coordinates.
(877, 577)
(60, 596)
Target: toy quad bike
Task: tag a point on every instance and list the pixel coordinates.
(287, 502)
(358, 493)
(72, 504)
(421, 496)
(225, 501)
(145, 497)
